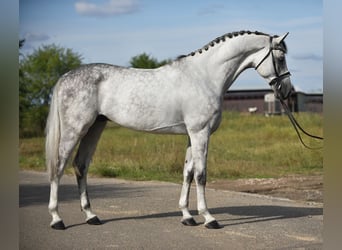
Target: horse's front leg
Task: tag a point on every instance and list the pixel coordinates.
(188, 174)
(200, 141)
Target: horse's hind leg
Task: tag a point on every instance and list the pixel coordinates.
(65, 151)
(57, 222)
(81, 163)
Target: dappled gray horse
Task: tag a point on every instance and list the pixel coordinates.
(182, 97)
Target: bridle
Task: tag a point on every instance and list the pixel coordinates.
(277, 86)
(279, 77)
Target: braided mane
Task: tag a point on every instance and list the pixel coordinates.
(223, 39)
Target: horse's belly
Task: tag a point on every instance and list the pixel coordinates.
(148, 126)
(169, 129)
(148, 120)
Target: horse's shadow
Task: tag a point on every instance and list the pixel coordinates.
(241, 214)
(227, 216)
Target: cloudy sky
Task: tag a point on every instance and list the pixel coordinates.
(113, 31)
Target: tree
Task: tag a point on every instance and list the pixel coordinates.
(21, 43)
(145, 61)
(38, 73)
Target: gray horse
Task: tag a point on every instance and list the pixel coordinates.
(182, 97)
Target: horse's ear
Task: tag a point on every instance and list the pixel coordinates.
(279, 39)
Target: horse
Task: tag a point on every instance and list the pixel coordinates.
(182, 97)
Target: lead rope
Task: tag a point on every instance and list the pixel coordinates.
(296, 126)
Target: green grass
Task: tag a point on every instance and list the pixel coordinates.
(245, 146)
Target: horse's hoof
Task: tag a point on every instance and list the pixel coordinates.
(189, 222)
(213, 225)
(94, 221)
(58, 225)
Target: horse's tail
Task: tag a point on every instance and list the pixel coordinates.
(52, 137)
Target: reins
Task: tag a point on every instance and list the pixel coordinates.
(277, 82)
(296, 126)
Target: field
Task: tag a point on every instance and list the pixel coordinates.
(245, 146)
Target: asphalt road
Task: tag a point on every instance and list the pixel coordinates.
(145, 215)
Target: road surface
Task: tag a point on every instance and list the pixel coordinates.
(145, 215)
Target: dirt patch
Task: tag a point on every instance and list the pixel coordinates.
(301, 188)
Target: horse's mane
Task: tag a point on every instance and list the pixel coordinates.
(223, 39)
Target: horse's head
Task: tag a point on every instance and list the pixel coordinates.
(273, 67)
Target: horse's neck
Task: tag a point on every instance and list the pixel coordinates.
(224, 62)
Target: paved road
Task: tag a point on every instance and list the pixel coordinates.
(144, 215)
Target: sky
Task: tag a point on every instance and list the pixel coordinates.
(113, 31)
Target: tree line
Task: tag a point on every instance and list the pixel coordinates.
(40, 71)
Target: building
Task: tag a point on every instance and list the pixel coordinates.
(262, 101)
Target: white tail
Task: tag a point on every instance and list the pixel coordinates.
(52, 137)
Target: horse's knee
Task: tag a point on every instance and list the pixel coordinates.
(188, 172)
(188, 176)
(201, 178)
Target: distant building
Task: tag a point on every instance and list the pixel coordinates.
(262, 101)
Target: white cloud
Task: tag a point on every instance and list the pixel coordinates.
(35, 37)
(108, 8)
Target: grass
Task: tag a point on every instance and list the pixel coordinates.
(245, 146)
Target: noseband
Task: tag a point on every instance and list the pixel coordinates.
(279, 77)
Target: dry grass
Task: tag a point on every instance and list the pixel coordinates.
(244, 146)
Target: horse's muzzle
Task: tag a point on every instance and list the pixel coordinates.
(282, 86)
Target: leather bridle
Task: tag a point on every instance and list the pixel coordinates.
(279, 77)
(277, 82)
